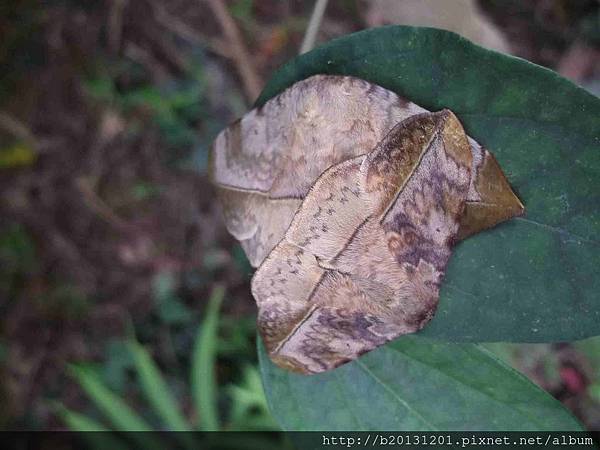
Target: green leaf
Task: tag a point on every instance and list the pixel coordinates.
(117, 364)
(532, 279)
(249, 409)
(116, 410)
(76, 421)
(170, 307)
(90, 429)
(156, 390)
(416, 384)
(18, 155)
(122, 417)
(203, 383)
(591, 350)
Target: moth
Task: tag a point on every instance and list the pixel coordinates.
(348, 199)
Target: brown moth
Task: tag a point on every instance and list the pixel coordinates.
(349, 198)
(264, 163)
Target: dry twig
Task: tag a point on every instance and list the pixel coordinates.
(115, 24)
(187, 33)
(16, 128)
(245, 66)
(96, 204)
(314, 24)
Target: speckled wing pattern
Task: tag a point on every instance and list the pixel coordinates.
(264, 164)
(348, 199)
(363, 258)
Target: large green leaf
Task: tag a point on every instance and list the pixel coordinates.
(534, 278)
(416, 384)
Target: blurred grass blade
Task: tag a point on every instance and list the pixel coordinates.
(204, 388)
(19, 155)
(94, 433)
(115, 409)
(156, 390)
(249, 408)
(76, 421)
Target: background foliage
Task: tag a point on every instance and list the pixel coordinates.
(111, 244)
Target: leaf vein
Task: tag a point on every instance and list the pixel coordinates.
(396, 396)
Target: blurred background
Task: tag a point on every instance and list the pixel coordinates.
(110, 235)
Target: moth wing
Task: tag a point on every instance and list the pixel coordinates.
(491, 199)
(276, 152)
(249, 218)
(326, 297)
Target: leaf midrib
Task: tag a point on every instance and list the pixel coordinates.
(396, 396)
(474, 389)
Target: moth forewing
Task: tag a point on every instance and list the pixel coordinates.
(348, 199)
(275, 153)
(350, 280)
